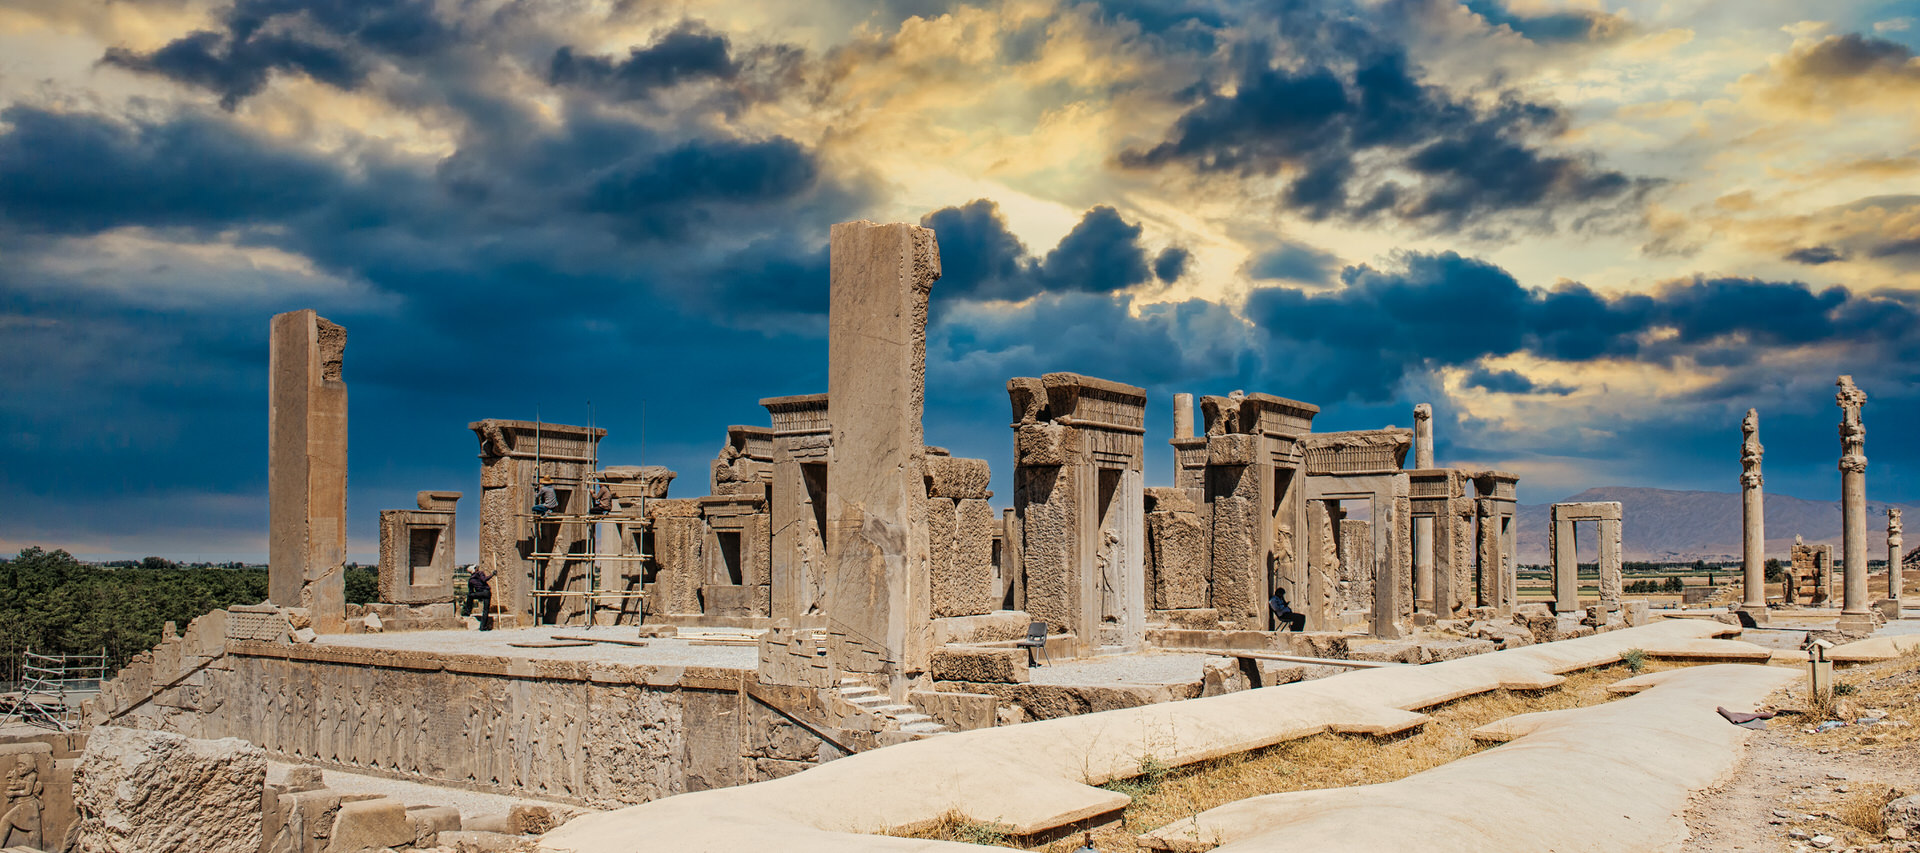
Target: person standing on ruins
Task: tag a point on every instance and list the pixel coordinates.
(480, 590)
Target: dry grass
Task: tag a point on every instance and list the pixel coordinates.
(1861, 808)
(1162, 795)
(1892, 686)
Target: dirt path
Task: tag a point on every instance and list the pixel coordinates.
(1792, 787)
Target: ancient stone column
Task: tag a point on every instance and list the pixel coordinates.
(1853, 505)
(1895, 542)
(307, 468)
(1423, 527)
(1183, 416)
(877, 591)
(1753, 519)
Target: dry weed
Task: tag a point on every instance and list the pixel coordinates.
(1861, 809)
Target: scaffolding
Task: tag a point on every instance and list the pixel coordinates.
(53, 685)
(599, 592)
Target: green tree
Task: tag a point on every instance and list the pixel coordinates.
(1776, 571)
(1675, 584)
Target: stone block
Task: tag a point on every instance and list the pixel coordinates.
(429, 821)
(1319, 644)
(1193, 619)
(1232, 449)
(957, 711)
(374, 824)
(987, 666)
(537, 818)
(960, 556)
(956, 478)
(983, 628)
(1455, 650)
(1637, 613)
(1177, 552)
(133, 787)
(1220, 676)
(1044, 445)
(1387, 652)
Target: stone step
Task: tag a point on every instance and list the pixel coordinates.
(869, 702)
(925, 728)
(895, 710)
(909, 719)
(858, 691)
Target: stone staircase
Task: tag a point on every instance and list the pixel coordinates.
(855, 694)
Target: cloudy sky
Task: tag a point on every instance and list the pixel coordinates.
(1590, 232)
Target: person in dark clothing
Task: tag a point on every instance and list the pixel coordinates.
(480, 591)
(1283, 613)
(545, 500)
(602, 499)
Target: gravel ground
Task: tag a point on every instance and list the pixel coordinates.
(1127, 669)
(657, 652)
(472, 804)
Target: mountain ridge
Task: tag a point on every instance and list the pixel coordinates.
(1666, 525)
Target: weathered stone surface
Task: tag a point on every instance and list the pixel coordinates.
(984, 628)
(133, 787)
(429, 821)
(1003, 666)
(957, 711)
(876, 585)
(1176, 553)
(370, 825)
(957, 478)
(1220, 676)
(1903, 813)
(417, 551)
(307, 468)
(960, 556)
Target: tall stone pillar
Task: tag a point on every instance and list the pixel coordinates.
(1423, 527)
(877, 597)
(307, 468)
(1854, 614)
(1896, 543)
(1753, 520)
(1183, 416)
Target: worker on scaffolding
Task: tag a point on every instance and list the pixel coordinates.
(480, 591)
(544, 499)
(602, 499)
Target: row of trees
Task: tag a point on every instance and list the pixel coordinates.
(52, 603)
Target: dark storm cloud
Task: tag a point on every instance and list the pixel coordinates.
(1357, 135)
(79, 173)
(327, 40)
(1295, 262)
(1444, 310)
(690, 51)
(1814, 256)
(1554, 27)
(981, 259)
(1852, 55)
(1511, 382)
(1171, 263)
(665, 196)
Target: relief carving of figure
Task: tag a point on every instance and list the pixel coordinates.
(20, 822)
(1750, 450)
(1853, 434)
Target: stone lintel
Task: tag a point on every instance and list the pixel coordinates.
(1089, 383)
(1586, 511)
(434, 501)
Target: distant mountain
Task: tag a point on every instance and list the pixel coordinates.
(1666, 525)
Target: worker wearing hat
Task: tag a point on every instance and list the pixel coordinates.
(545, 500)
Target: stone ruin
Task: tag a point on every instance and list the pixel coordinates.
(882, 594)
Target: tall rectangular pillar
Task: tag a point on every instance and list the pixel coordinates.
(877, 596)
(1566, 565)
(307, 468)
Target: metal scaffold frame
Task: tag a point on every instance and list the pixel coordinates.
(598, 593)
(49, 683)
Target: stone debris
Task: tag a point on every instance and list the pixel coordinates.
(133, 787)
